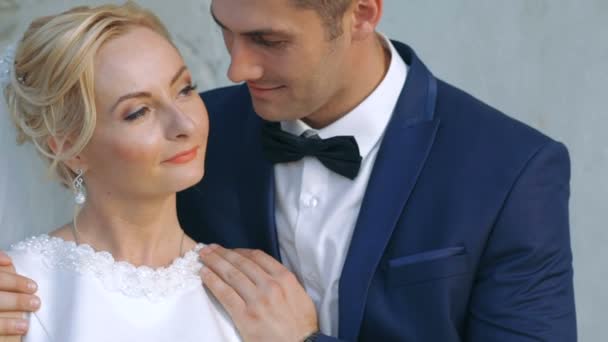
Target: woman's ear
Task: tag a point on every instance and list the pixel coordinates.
(58, 146)
(76, 163)
(55, 145)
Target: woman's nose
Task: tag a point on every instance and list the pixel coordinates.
(180, 124)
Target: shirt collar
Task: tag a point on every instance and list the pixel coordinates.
(369, 119)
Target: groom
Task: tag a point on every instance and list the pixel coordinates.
(408, 210)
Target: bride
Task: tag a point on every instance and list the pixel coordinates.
(107, 101)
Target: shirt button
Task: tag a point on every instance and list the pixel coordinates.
(305, 200)
(309, 201)
(314, 202)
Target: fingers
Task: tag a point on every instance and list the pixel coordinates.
(13, 327)
(256, 274)
(12, 282)
(242, 286)
(5, 260)
(277, 272)
(222, 263)
(10, 301)
(264, 299)
(269, 264)
(226, 295)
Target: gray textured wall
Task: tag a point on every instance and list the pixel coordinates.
(544, 62)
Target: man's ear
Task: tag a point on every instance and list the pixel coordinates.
(366, 15)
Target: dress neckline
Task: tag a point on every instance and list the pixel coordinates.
(90, 249)
(132, 281)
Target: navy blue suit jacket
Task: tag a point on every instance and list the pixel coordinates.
(463, 231)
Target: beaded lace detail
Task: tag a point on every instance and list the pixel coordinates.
(7, 65)
(132, 281)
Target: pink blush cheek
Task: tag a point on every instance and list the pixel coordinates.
(136, 153)
(132, 154)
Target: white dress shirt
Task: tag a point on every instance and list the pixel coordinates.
(316, 209)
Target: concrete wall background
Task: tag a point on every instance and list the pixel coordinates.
(544, 62)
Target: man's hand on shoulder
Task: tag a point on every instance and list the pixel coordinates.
(264, 299)
(16, 299)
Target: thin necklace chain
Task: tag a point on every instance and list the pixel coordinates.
(76, 233)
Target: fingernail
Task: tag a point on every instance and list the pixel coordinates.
(34, 303)
(32, 286)
(21, 326)
(206, 250)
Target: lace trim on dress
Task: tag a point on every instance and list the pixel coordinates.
(121, 276)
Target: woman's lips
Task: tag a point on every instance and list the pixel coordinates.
(183, 157)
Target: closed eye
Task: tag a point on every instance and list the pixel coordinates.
(260, 40)
(188, 90)
(137, 114)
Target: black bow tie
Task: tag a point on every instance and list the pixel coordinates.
(339, 154)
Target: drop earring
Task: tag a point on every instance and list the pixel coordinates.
(80, 196)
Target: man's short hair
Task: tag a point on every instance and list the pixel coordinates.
(330, 11)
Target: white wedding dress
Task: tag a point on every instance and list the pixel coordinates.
(89, 297)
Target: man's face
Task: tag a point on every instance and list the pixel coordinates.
(283, 53)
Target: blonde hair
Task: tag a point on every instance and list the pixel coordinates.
(51, 94)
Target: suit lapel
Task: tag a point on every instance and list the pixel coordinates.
(401, 157)
(257, 189)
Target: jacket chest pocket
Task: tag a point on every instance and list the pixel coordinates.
(427, 266)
